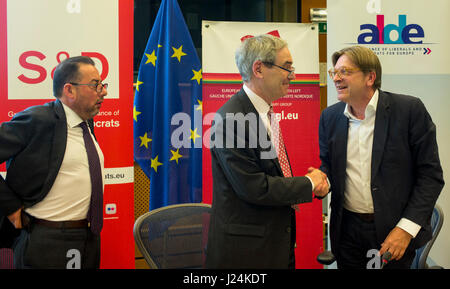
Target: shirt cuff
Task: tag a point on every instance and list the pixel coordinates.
(312, 184)
(409, 226)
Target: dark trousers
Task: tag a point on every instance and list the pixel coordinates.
(41, 247)
(359, 246)
(291, 265)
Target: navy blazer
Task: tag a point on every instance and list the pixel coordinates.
(406, 175)
(252, 218)
(33, 144)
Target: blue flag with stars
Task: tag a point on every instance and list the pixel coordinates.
(167, 112)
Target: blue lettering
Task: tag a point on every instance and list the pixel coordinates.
(374, 35)
(391, 27)
(406, 34)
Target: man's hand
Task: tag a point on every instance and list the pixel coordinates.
(320, 181)
(396, 243)
(15, 219)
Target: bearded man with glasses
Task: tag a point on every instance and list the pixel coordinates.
(52, 194)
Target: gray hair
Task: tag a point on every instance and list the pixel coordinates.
(262, 47)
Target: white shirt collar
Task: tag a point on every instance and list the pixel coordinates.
(260, 104)
(73, 119)
(370, 109)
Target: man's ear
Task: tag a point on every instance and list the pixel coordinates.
(68, 92)
(372, 77)
(257, 69)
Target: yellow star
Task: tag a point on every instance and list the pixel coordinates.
(177, 52)
(135, 113)
(137, 84)
(155, 164)
(145, 140)
(176, 155)
(194, 135)
(197, 75)
(151, 58)
(200, 105)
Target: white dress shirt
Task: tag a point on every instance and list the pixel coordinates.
(262, 107)
(69, 197)
(357, 195)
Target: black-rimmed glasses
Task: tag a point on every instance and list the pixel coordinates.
(98, 86)
(291, 71)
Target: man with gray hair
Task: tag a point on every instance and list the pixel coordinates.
(253, 219)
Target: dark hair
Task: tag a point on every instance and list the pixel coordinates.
(68, 71)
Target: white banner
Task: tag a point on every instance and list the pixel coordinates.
(33, 56)
(409, 37)
(414, 54)
(35, 35)
(221, 39)
(298, 111)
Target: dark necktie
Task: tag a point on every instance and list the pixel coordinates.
(279, 144)
(95, 213)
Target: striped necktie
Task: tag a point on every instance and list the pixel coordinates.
(279, 144)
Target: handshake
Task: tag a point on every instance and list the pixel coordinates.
(319, 180)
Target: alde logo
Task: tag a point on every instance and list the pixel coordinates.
(384, 34)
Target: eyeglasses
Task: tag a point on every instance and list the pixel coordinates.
(342, 72)
(291, 71)
(98, 86)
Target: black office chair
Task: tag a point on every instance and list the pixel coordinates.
(6, 258)
(420, 261)
(174, 237)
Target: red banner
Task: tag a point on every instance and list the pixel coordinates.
(299, 113)
(26, 70)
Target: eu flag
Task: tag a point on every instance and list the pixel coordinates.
(168, 112)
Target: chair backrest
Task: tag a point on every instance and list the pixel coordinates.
(437, 219)
(6, 258)
(174, 237)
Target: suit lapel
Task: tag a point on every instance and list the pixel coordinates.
(340, 149)
(380, 132)
(59, 142)
(248, 107)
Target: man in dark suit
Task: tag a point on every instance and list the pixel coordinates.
(380, 154)
(253, 220)
(48, 188)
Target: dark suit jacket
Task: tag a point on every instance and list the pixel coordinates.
(406, 175)
(251, 218)
(33, 144)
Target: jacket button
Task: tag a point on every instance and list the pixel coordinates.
(288, 229)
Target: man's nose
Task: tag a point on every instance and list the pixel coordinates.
(104, 92)
(337, 77)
